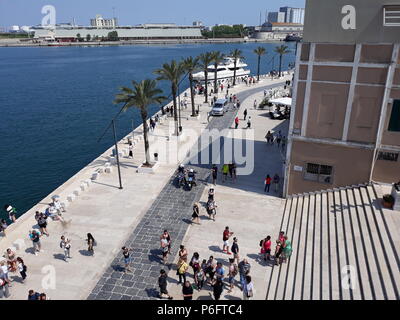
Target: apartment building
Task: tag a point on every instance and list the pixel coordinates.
(345, 122)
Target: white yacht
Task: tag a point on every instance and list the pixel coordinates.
(224, 70)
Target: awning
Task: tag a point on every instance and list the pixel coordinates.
(282, 101)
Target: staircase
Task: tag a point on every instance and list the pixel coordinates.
(338, 235)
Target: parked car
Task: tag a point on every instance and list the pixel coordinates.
(218, 108)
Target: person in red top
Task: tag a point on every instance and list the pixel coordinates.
(267, 183)
(267, 248)
(225, 237)
(236, 122)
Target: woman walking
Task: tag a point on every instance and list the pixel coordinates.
(164, 248)
(248, 289)
(91, 242)
(199, 277)
(287, 249)
(182, 268)
(183, 253)
(66, 245)
(195, 214)
(267, 248)
(127, 258)
(42, 222)
(22, 269)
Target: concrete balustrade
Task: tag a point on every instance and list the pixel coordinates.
(109, 170)
(77, 192)
(71, 197)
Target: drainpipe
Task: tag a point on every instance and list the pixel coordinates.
(287, 164)
(385, 102)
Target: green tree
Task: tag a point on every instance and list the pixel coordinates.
(142, 95)
(260, 51)
(236, 55)
(172, 72)
(191, 65)
(281, 50)
(217, 58)
(88, 37)
(205, 59)
(112, 36)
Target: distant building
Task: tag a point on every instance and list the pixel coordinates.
(276, 17)
(197, 23)
(292, 15)
(100, 22)
(14, 29)
(278, 31)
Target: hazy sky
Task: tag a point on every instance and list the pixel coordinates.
(132, 12)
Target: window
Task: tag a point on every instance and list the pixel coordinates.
(391, 16)
(394, 122)
(319, 173)
(388, 156)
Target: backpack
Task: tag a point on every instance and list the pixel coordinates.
(261, 242)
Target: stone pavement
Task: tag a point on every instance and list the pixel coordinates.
(108, 213)
(171, 210)
(244, 207)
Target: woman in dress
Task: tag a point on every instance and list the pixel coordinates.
(287, 249)
(195, 215)
(91, 242)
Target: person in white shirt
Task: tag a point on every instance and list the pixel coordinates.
(248, 289)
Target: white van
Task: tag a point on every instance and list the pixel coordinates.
(218, 108)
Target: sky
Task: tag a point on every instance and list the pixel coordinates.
(133, 12)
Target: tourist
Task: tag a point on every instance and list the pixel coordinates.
(255, 104)
(130, 152)
(266, 246)
(269, 137)
(5, 269)
(244, 269)
(33, 295)
(236, 122)
(43, 296)
(58, 205)
(199, 276)
(276, 182)
(225, 238)
(218, 287)
(195, 262)
(42, 222)
(164, 248)
(127, 259)
(248, 289)
(225, 170)
(248, 123)
(267, 183)
(211, 194)
(167, 235)
(11, 211)
(278, 252)
(211, 209)
(214, 174)
(281, 237)
(195, 214)
(287, 249)
(22, 269)
(35, 237)
(3, 226)
(182, 253)
(238, 103)
(244, 114)
(11, 259)
(278, 139)
(234, 176)
(162, 283)
(182, 267)
(219, 271)
(232, 272)
(65, 244)
(210, 268)
(187, 291)
(4, 290)
(91, 243)
(235, 250)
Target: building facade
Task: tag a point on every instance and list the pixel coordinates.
(278, 31)
(100, 22)
(293, 15)
(276, 17)
(345, 120)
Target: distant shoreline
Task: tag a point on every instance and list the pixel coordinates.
(24, 43)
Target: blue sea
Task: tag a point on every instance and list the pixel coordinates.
(56, 102)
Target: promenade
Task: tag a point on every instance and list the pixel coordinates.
(134, 216)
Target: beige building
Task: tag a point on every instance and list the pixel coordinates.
(345, 122)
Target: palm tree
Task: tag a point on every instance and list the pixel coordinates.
(217, 58)
(142, 95)
(260, 51)
(236, 55)
(205, 59)
(281, 50)
(191, 65)
(172, 72)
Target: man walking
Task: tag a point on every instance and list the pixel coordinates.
(244, 270)
(249, 123)
(244, 114)
(66, 245)
(236, 122)
(235, 250)
(214, 174)
(162, 283)
(225, 238)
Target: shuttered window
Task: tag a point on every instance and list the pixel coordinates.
(391, 16)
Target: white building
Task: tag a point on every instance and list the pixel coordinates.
(276, 17)
(278, 30)
(100, 22)
(293, 15)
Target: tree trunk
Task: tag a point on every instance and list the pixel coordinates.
(280, 66)
(215, 78)
(192, 94)
(234, 73)
(145, 138)
(174, 91)
(206, 84)
(258, 68)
